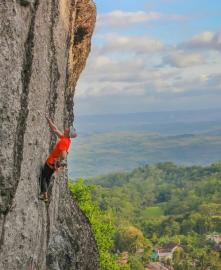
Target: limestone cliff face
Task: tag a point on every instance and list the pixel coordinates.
(44, 45)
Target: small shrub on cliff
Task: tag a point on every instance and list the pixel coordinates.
(26, 2)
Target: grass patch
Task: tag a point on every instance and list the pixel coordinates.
(153, 212)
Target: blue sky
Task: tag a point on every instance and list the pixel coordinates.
(152, 56)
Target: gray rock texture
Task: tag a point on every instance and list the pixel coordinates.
(44, 45)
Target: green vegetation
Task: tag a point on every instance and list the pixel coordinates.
(26, 2)
(156, 205)
(152, 212)
(101, 224)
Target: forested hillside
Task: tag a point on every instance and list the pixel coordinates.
(164, 204)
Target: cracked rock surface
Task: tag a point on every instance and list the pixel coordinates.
(44, 45)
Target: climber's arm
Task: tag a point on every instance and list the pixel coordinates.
(53, 127)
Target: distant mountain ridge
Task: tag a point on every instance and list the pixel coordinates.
(112, 143)
(171, 122)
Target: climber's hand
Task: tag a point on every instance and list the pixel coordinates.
(53, 127)
(47, 118)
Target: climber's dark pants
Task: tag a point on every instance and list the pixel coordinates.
(46, 177)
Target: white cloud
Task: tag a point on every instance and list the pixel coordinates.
(201, 84)
(182, 59)
(141, 70)
(119, 18)
(136, 44)
(205, 40)
(105, 76)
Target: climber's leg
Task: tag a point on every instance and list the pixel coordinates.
(45, 180)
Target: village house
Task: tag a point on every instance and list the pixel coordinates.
(215, 238)
(166, 251)
(156, 266)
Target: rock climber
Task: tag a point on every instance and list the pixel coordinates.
(57, 157)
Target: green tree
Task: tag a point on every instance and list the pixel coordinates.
(130, 238)
(135, 263)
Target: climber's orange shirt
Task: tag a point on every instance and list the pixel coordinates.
(62, 145)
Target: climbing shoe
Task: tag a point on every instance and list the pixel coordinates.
(43, 198)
